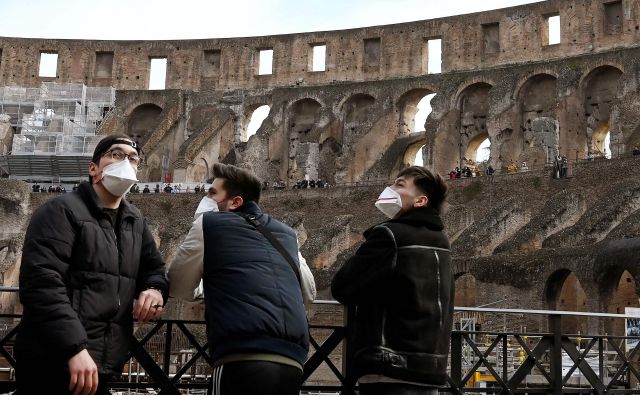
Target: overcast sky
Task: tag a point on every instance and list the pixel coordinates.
(184, 19)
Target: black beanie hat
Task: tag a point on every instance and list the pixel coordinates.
(106, 143)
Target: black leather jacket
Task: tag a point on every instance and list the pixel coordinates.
(401, 285)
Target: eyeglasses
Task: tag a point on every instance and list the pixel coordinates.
(119, 155)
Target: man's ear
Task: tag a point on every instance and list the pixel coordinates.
(422, 201)
(236, 202)
(93, 171)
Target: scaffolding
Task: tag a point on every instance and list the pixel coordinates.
(55, 119)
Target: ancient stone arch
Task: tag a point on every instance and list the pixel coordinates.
(142, 120)
(600, 92)
(563, 291)
(538, 137)
(407, 106)
(473, 104)
(304, 139)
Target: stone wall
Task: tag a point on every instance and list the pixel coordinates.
(474, 41)
(529, 239)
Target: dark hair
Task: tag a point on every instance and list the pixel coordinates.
(103, 146)
(238, 182)
(431, 184)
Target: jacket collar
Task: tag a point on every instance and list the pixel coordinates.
(423, 216)
(90, 197)
(249, 208)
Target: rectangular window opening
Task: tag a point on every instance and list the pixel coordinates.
(212, 59)
(613, 17)
(157, 73)
(265, 61)
(553, 23)
(318, 57)
(434, 56)
(48, 64)
(491, 38)
(104, 65)
(372, 53)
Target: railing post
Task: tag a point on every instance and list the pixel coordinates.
(555, 324)
(167, 348)
(347, 350)
(456, 359)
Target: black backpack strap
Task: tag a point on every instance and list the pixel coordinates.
(252, 220)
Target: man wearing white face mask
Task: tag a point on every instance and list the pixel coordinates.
(401, 285)
(89, 267)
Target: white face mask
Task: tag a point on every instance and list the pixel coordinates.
(118, 177)
(389, 202)
(206, 204)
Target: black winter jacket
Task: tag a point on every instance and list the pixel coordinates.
(252, 296)
(78, 280)
(401, 285)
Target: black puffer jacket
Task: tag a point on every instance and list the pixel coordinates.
(78, 280)
(401, 285)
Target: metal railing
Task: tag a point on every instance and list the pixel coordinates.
(172, 356)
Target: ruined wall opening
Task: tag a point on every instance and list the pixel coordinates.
(104, 65)
(434, 56)
(157, 73)
(255, 121)
(564, 292)
(491, 38)
(211, 63)
(623, 294)
(473, 104)
(540, 128)
(265, 61)
(613, 18)
(48, 64)
(552, 32)
(142, 121)
(317, 57)
(600, 94)
(304, 144)
(371, 54)
(415, 107)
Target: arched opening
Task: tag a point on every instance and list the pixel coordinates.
(257, 117)
(623, 295)
(356, 107)
(142, 121)
(540, 138)
(473, 104)
(424, 109)
(601, 142)
(564, 292)
(418, 160)
(304, 145)
(477, 153)
(413, 156)
(415, 107)
(600, 93)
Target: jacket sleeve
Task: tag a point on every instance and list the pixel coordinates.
(185, 271)
(362, 278)
(308, 283)
(152, 267)
(46, 256)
